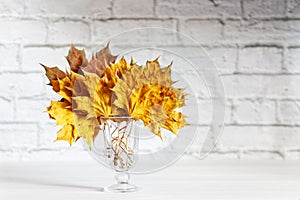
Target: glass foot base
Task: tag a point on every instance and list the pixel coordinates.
(122, 188)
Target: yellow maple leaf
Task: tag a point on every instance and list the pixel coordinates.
(97, 102)
(86, 128)
(146, 93)
(62, 113)
(102, 88)
(66, 133)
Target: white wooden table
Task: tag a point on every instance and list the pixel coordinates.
(187, 179)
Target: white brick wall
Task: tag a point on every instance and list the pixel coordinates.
(293, 60)
(260, 59)
(62, 32)
(254, 111)
(22, 30)
(63, 8)
(261, 8)
(255, 43)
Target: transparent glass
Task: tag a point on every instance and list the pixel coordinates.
(121, 144)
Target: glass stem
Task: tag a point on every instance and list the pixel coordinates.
(122, 177)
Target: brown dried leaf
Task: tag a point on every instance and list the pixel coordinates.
(53, 73)
(100, 61)
(105, 88)
(76, 58)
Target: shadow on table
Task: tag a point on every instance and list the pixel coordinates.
(48, 183)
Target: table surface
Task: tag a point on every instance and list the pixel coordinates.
(186, 179)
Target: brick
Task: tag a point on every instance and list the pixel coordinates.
(255, 111)
(224, 58)
(18, 136)
(210, 140)
(132, 8)
(27, 31)
(9, 57)
(201, 113)
(292, 155)
(7, 109)
(32, 56)
(198, 141)
(274, 138)
(289, 112)
(23, 85)
(293, 60)
(262, 31)
(261, 8)
(205, 112)
(279, 86)
(293, 8)
(195, 84)
(204, 31)
(194, 8)
(200, 146)
(260, 59)
(205, 108)
(68, 32)
(36, 108)
(10, 155)
(113, 31)
(228, 111)
(8, 7)
(69, 8)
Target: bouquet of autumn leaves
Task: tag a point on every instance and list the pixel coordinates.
(103, 87)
